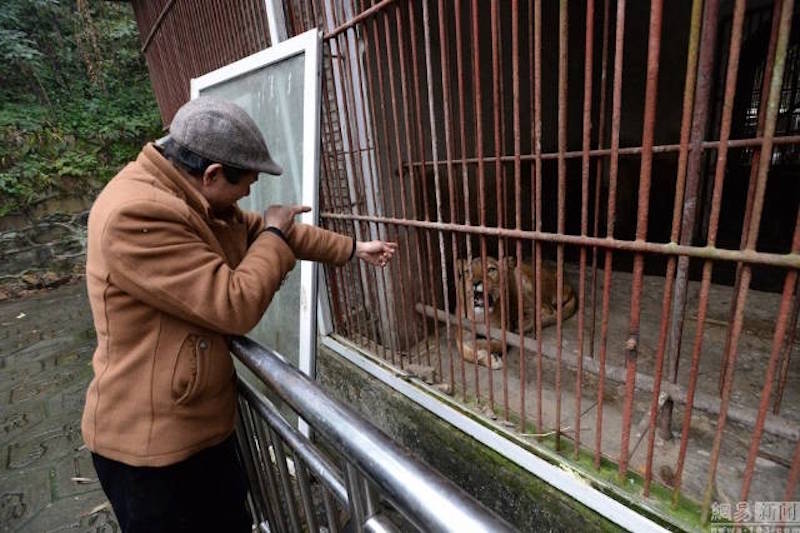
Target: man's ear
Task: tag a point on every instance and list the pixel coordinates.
(212, 173)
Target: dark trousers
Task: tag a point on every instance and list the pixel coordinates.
(206, 492)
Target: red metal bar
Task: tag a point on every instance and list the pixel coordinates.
(794, 475)
(445, 67)
(587, 139)
(563, 29)
(645, 172)
(435, 151)
(776, 82)
(612, 204)
(367, 13)
(465, 187)
(421, 153)
(601, 130)
(518, 199)
(787, 353)
(717, 254)
(499, 194)
(789, 286)
(537, 177)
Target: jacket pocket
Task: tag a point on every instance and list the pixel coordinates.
(187, 375)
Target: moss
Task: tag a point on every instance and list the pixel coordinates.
(526, 501)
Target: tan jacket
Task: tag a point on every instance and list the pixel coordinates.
(167, 282)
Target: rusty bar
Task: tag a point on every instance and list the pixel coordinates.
(465, 183)
(367, 13)
(537, 177)
(421, 152)
(748, 210)
(358, 141)
(345, 118)
(699, 124)
(409, 147)
(601, 128)
(476, 84)
(612, 203)
(563, 29)
(794, 475)
(634, 150)
(666, 309)
(379, 162)
(787, 354)
(587, 139)
(373, 162)
(390, 61)
(497, 73)
(632, 344)
(156, 25)
(789, 286)
(435, 152)
(445, 67)
(776, 82)
(517, 199)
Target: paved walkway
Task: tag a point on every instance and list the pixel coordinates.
(47, 483)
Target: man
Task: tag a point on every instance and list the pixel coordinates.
(174, 267)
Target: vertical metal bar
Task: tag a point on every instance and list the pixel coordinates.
(632, 344)
(435, 152)
(537, 177)
(585, 161)
(465, 187)
(422, 175)
(601, 130)
(283, 474)
(330, 512)
(699, 123)
(776, 82)
(263, 455)
(563, 29)
(518, 205)
(612, 203)
(357, 516)
(444, 52)
(794, 475)
(476, 84)
(789, 286)
(305, 494)
(499, 194)
(258, 492)
(748, 210)
(783, 375)
(370, 498)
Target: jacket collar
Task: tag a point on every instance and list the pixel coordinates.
(151, 159)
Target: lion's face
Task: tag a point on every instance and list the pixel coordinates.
(480, 299)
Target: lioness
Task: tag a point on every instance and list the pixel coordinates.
(470, 282)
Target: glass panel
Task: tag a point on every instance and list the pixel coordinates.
(273, 95)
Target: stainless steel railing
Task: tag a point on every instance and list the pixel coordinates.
(377, 487)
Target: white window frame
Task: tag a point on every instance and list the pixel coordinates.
(309, 44)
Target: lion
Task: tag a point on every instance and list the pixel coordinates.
(480, 301)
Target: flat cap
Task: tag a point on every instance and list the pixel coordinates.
(222, 132)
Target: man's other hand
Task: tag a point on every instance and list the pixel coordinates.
(282, 216)
(376, 253)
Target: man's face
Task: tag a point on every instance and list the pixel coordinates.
(221, 193)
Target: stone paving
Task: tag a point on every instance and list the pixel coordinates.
(47, 482)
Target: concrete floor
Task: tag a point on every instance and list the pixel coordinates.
(771, 473)
(47, 482)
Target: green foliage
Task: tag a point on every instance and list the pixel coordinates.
(75, 100)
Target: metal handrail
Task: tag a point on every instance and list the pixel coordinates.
(424, 497)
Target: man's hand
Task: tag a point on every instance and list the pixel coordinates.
(376, 253)
(282, 216)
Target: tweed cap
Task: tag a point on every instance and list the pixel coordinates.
(222, 132)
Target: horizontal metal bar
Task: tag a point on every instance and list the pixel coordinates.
(703, 252)
(324, 469)
(747, 416)
(754, 142)
(423, 496)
